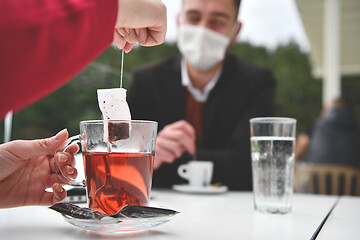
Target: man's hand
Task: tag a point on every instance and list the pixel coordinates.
(173, 141)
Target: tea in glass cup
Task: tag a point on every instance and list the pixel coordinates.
(119, 172)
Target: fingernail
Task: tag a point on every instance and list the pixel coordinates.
(57, 136)
(119, 31)
(62, 158)
(70, 170)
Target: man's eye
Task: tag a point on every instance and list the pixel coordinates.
(194, 19)
(216, 22)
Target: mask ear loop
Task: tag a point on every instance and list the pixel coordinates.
(234, 30)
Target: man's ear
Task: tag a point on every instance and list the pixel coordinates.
(238, 26)
(178, 16)
(178, 19)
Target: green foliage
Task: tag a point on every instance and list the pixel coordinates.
(351, 89)
(298, 94)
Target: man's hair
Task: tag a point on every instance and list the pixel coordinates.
(237, 5)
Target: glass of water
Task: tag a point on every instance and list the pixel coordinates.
(272, 152)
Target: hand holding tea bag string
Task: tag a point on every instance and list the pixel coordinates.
(149, 30)
(27, 169)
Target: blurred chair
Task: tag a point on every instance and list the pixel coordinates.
(327, 179)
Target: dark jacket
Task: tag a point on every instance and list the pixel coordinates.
(242, 92)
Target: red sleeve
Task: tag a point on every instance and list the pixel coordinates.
(44, 43)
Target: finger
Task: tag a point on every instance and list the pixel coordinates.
(73, 148)
(128, 47)
(162, 156)
(60, 159)
(25, 149)
(170, 144)
(182, 139)
(119, 40)
(157, 164)
(130, 35)
(65, 158)
(133, 36)
(151, 36)
(165, 156)
(70, 172)
(124, 33)
(186, 127)
(142, 36)
(59, 193)
(183, 126)
(65, 175)
(54, 178)
(125, 38)
(187, 143)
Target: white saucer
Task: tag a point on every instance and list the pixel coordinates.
(204, 190)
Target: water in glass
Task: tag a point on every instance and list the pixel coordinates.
(273, 171)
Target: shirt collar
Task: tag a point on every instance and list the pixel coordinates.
(200, 96)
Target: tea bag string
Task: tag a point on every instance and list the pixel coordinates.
(109, 147)
(122, 67)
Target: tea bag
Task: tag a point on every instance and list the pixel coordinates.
(77, 212)
(113, 105)
(128, 211)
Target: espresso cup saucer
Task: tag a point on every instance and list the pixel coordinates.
(211, 189)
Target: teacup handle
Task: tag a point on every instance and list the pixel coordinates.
(183, 171)
(59, 166)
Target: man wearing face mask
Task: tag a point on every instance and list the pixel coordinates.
(203, 99)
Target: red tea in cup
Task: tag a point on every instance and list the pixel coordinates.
(118, 167)
(114, 180)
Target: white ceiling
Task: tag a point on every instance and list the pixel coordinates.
(312, 15)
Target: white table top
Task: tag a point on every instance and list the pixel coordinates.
(226, 216)
(343, 222)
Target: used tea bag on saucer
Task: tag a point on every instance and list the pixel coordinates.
(76, 211)
(113, 105)
(126, 212)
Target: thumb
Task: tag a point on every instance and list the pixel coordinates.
(25, 149)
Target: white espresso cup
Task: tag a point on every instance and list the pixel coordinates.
(198, 173)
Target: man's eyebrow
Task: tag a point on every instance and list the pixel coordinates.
(214, 14)
(192, 12)
(220, 14)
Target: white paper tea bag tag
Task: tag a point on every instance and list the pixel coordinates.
(113, 105)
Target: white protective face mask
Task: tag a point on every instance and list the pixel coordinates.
(202, 47)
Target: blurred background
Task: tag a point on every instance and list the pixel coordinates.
(286, 36)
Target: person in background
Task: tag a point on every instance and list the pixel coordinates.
(334, 138)
(302, 144)
(43, 44)
(204, 97)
